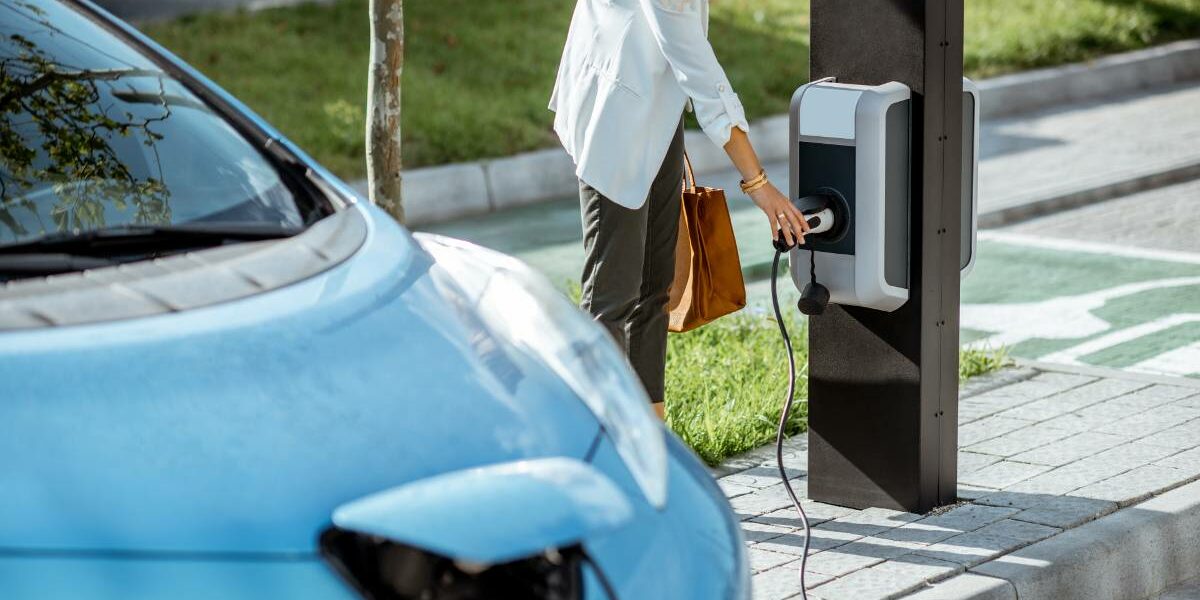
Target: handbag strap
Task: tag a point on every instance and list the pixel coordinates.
(688, 175)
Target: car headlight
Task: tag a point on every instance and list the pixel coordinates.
(521, 307)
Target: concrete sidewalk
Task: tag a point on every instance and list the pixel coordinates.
(1065, 480)
(1027, 160)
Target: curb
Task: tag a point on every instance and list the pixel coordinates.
(446, 192)
(1107, 372)
(1106, 76)
(1144, 182)
(1135, 552)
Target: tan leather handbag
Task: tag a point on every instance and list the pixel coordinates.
(708, 274)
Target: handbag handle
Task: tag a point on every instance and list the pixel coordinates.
(688, 175)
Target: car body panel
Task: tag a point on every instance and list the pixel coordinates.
(241, 426)
(39, 577)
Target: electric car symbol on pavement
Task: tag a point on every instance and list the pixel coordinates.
(225, 376)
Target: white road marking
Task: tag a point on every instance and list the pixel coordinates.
(1062, 245)
(1065, 317)
(1071, 355)
(1180, 361)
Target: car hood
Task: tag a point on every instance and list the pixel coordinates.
(240, 427)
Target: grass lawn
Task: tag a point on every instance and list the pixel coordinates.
(726, 383)
(478, 74)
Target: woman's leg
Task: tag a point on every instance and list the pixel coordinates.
(647, 332)
(614, 238)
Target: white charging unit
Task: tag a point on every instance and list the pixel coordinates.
(851, 145)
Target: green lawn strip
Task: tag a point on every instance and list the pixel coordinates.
(478, 74)
(726, 383)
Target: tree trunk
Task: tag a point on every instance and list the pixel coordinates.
(383, 105)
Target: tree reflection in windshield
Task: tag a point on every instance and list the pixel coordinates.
(63, 105)
(93, 133)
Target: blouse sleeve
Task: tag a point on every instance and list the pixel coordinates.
(678, 29)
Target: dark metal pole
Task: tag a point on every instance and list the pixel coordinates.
(883, 387)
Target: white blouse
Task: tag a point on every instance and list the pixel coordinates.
(628, 69)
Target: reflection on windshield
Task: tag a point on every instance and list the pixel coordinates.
(94, 134)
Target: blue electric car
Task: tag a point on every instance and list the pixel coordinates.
(223, 375)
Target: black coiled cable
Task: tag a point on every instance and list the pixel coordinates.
(787, 411)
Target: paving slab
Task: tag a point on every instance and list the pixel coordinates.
(1093, 469)
(784, 582)
(1049, 509)
(765, 500)
(1069, 401)
(820, 541)
(888, 579)
(754, 532)
(1071, 449)
(818, 512)
(1021, 440)
(1178, 437)
(967, 585)
(1003, 474)
(969, 462)
(761, 560)
(869, 521)
(1136, 485)
(1186, 461)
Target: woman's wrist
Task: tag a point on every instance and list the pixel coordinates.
(749, 186)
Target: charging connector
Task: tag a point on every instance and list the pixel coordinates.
(821, 210)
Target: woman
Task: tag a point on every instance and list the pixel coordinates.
(628, 70)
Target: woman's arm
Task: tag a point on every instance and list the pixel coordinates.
(781, 213)
(678, 29)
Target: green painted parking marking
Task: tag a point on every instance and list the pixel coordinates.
(1085, 303)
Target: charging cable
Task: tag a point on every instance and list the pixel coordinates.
(781, 246)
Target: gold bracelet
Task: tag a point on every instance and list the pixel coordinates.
(754, 187)
(755, 183)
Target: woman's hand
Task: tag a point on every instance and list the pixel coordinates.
(781, 214)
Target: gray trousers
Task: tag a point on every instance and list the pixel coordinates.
(629, 266)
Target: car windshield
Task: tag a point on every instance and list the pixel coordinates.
(94, 134)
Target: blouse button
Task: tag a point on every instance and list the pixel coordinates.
(721, 88)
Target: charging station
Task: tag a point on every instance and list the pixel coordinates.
(850, 167)
(880, 140)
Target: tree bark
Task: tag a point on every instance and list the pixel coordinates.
(383, 105)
